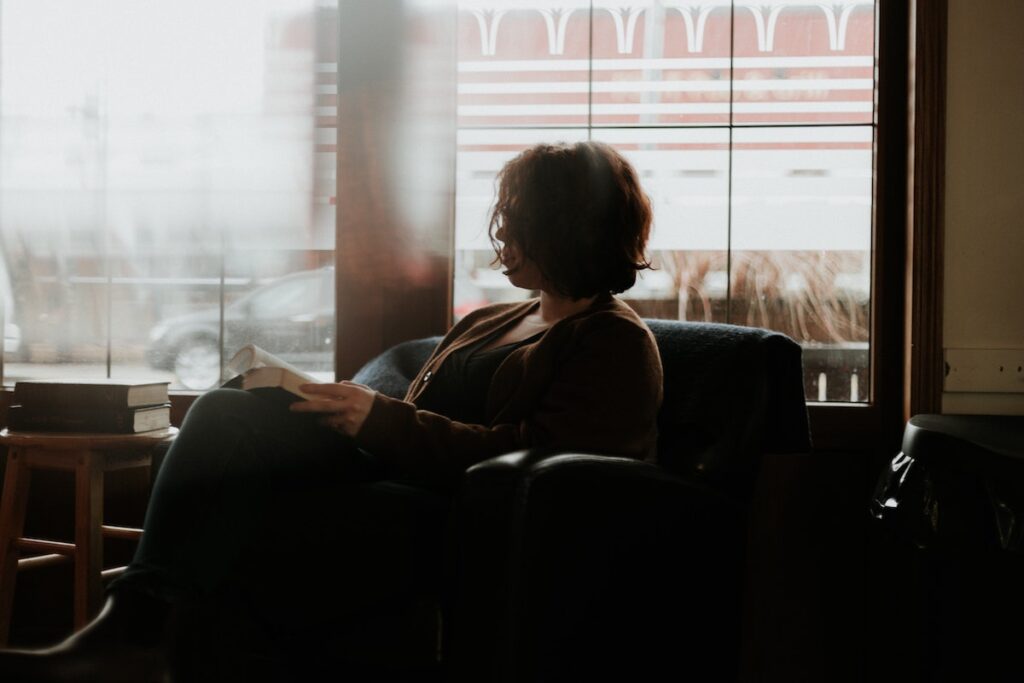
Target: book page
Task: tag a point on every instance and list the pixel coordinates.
(251, 356)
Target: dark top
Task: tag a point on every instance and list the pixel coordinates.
(459, 388)
(590, 384)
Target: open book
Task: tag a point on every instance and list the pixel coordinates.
(256, 368)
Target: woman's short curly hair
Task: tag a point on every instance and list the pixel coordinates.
(578, 212)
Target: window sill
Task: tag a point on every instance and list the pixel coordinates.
(852, 427)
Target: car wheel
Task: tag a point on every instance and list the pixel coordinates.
(197, 363)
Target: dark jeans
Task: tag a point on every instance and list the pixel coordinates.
(259, 506)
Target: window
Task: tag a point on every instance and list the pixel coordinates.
(166, 168)
(752, 124)
(173, 158)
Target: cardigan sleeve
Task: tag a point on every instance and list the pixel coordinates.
(602, 399)
(422, 445)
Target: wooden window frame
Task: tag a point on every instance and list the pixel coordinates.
(906, 323)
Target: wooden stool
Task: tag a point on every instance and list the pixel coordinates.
(89, 456)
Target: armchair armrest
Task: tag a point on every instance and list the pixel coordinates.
(567, 559)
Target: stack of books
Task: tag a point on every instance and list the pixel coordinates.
(101, 406)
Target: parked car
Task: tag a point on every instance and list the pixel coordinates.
(292, 317)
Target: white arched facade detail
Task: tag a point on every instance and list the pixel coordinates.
(487, 20)
(694, 27)
(557, 20)
(837, 26)
(837, 17)
(625, 26)
(488, 15)
(765, 26)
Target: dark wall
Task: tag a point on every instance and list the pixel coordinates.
(807, 588)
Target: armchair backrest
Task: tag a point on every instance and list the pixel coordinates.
(393, 371)
(732, 394)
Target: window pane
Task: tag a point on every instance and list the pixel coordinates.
(686, 174)
(658, 63)
(523, 63)
(152, 305)
(142, 146)
(284, 303)
(801, 247)
(768, 223)
(803, 62)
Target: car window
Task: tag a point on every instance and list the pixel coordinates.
(284, 299)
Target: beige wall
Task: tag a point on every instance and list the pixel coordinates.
(984, 269)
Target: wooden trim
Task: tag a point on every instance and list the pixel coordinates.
(38, 545)
(88, 537)
(925, 207)
(909, 197)
(126, 533)
(113, 572)
(13, 505)
(40, 561)
(396, 178)
(878, 425)
(180, 403)
(890, 246)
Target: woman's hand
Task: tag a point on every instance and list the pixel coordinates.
(344, 405)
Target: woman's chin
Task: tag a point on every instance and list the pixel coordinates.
(523, 276)
(524, 283)
(515, 281)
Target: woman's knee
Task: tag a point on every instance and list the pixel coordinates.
(233, 412)
(218, 404)
(217, 424)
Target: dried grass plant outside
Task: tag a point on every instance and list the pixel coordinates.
(795, 292)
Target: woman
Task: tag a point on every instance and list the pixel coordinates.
(573, 369)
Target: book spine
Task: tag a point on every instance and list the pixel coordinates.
(69, 397)
(20, 419)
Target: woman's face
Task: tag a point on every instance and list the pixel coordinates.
(520, 270)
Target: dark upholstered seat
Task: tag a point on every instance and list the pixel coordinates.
(573, 566)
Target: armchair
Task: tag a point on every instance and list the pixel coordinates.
(571, 566)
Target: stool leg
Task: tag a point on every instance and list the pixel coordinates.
(12, 525)
(89, 469)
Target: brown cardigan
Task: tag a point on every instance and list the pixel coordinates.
(591, 384)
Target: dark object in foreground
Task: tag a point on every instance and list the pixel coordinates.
(951, 507)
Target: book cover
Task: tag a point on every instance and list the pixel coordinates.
(259, 369)
(81, 394)
(124, 421)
